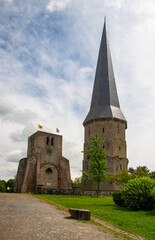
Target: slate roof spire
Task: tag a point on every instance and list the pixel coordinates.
(105, 102)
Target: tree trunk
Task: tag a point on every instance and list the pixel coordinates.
(98, 188)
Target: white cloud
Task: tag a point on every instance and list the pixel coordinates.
(57, 5)
(114, 3)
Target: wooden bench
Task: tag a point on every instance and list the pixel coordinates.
(80, 213)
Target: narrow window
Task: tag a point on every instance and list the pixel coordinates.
(47, 140)
(103, 146)
(32, 142)
(120, 167)
(119, 148)
(52, 141)
(89, 130)
(103, 130)
(118, 129)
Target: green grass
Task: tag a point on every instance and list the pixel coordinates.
(138, 222)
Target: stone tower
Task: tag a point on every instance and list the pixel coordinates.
(44, 169)
(105, 118)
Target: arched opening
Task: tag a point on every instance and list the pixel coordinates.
(52, 141)
(48, 174)
(48, 170)
(47, 140)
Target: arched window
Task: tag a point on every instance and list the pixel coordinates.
(48, 170)
(47, 140)
(52, 141)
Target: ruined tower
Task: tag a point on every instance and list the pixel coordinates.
(44, 170)
(105, 118)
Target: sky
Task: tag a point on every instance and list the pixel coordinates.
(48, 56)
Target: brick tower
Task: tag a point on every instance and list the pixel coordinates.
(45, 169)
(105, 118)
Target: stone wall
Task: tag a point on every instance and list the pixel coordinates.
(113, 132)
(45, 166)
(20, 175)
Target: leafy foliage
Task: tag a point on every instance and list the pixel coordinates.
(118, 199)
(2, 186)
(10, 183)
(137, 193)
(141, 171)
(77, 182)
(98, 165)
(152, 175)
(122, 177)
(125, 175)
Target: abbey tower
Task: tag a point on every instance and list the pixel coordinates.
(105, 118)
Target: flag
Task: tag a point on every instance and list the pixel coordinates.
(57, 130)
(39, 126)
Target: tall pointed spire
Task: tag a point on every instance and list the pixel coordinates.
(105, 102)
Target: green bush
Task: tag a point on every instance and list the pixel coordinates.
(2, 186)
(118, 199)
(138, 193)
(153, 195)
(10, 183)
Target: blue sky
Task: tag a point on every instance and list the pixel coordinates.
(49, 52)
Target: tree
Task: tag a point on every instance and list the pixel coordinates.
(98, 165)
(2, 186)
(125, 175)
(142, 171)
(10, 183)
(152, 175)
(122, 177)
(77, 182)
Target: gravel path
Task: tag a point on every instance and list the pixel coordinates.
(24, 217)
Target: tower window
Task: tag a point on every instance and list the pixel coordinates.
(103, 130)
(118, 129)
(119, 148)
(47, 140)
(120, 167)
(89, 130)
(52, 141)
(32, 142)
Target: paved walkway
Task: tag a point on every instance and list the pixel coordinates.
(24, 217)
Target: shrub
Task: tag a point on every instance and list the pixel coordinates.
(118, 199)
(2, 186)
(138, 193)
(10, 183)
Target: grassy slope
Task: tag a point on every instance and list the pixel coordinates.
(139, 222)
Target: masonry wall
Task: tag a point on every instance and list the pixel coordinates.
(65, 177)
(20, 175)
(45, 167)
(114, 144)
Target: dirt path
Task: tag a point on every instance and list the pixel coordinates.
(24, 217)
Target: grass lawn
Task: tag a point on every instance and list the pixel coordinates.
(138, 222)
